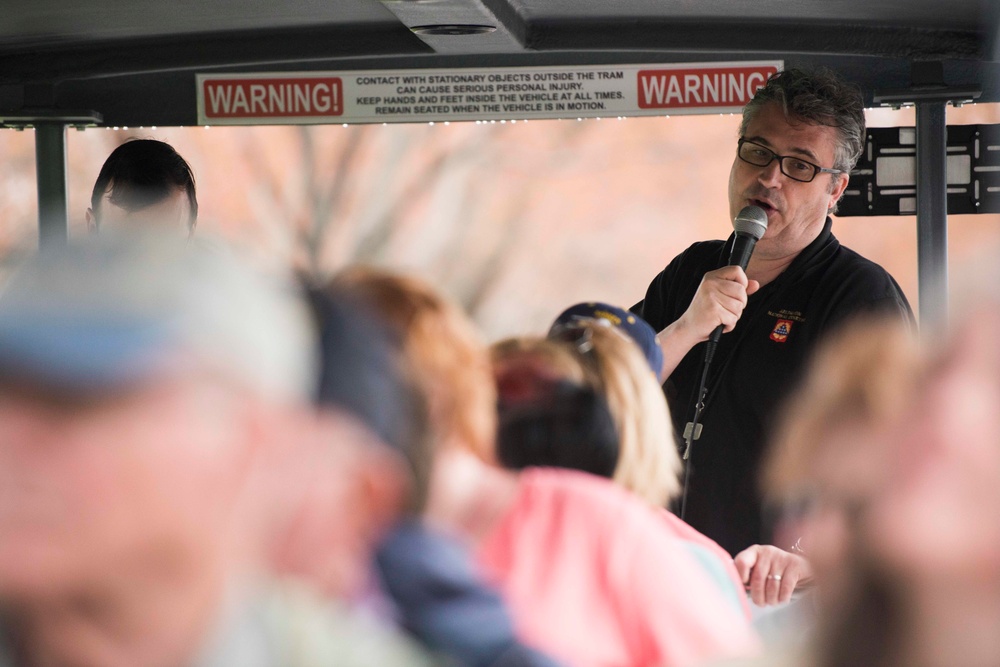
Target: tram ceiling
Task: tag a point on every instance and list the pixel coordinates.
(134, 61)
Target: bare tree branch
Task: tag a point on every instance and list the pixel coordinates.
(369, 247)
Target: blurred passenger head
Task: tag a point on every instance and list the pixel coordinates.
(648, 463)
(613, 366)
(371, 469)
(145, 387)
(451, 369)
(937, 519)
(144, 182)
(830, 456)
(933, 535)
(825, 470)
(444, 351)
(362, 373)
(550, 412)
(921, 584)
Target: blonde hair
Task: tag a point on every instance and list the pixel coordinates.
(648, 464)
(444, 350)
(858, 376)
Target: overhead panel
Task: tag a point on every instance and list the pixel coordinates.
(884, 180)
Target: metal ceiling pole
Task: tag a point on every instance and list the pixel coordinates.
(50, 165)
(931, 96)
(932, 214)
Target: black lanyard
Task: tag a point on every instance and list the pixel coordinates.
(706, 389)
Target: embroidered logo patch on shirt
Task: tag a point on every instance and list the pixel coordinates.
(781, 331)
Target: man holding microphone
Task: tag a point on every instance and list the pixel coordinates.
(800, 137)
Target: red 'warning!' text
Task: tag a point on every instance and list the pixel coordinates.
(690, 88)
(273, 98)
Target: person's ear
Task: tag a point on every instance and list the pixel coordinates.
(837, 191)
(91, 221)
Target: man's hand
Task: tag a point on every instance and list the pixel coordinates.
(720, 299)
(772, 574)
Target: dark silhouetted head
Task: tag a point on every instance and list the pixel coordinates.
(144, 178)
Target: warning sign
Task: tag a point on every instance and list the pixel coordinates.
(299, 97)
(512, 93)
(700, 87)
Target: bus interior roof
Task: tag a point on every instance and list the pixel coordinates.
(134, 62)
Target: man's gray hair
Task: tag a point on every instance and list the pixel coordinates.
(820, 97)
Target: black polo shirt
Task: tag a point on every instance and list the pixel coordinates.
(756, 365)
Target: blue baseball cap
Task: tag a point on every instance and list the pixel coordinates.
(630, 324)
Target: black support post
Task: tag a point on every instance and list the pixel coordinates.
(932, 214)
(931, 96)
(50, 165)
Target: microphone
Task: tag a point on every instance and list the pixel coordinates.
(750, 224)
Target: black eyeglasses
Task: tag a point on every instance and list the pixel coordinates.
(793, 167)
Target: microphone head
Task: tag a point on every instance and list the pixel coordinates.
(752, 221)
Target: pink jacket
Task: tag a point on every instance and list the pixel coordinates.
(595, 577)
